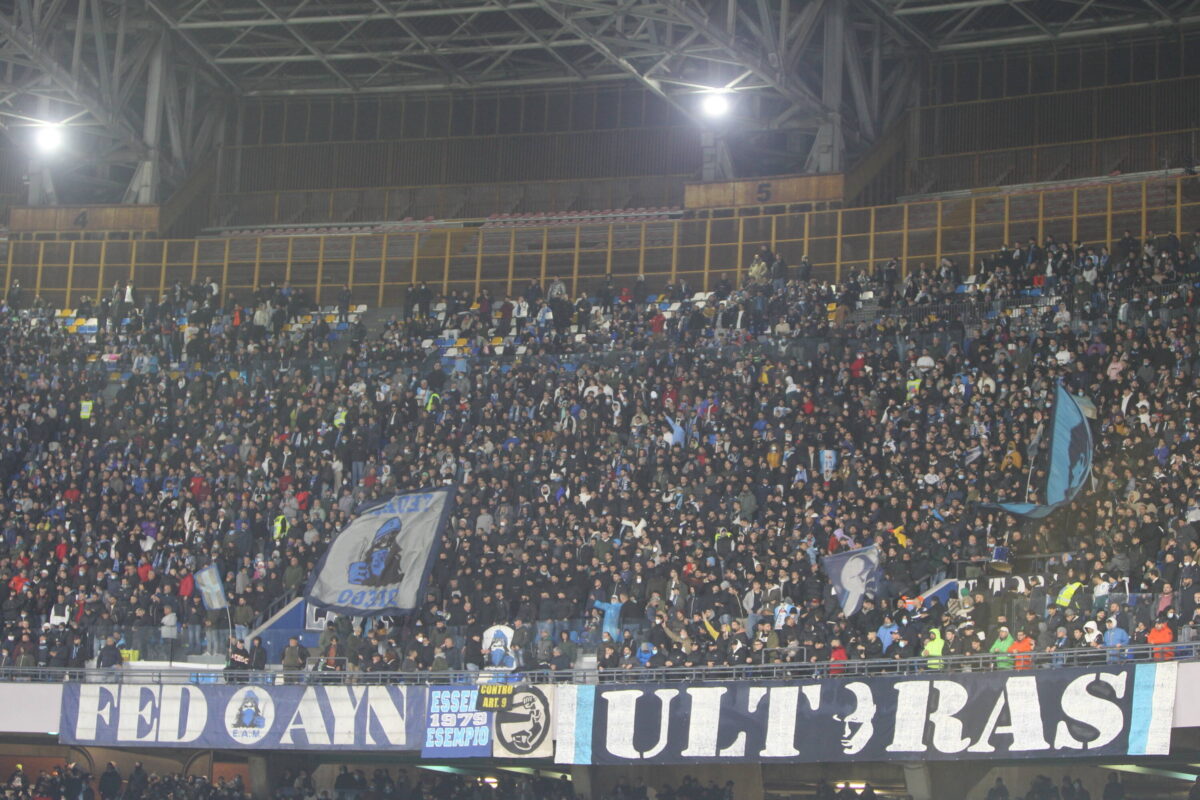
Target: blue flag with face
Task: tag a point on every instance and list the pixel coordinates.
(1070, 460)
(855, 575)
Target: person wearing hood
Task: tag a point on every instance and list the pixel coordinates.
(1092, 641)
(1116, 639)
(612, 614)
(935, 645)
(110, 782)
(646, 654)
(1000, 648)
(887, 632)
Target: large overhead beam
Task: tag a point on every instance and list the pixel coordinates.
(935, 8)
(368, 16)
(438, 86)
(441, 50)
(1070, 34)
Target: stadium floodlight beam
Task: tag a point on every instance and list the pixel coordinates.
(715, 104)
(48, 138)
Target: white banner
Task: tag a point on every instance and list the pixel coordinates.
(524, 730)
(380, 562)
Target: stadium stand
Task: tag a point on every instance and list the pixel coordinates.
(611, 215)
(406, 225)
(164, 434)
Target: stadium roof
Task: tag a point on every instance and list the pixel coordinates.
(837, 72)
(953, 25)
(324, 46)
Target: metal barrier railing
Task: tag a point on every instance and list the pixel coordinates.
(378, 267)
(813, 670)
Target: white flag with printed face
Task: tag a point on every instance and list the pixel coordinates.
(212, 589)
(380, 562)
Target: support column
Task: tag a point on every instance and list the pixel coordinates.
(265, 771)
(827, 151)
(581, 780)
(918, 781)
(41, 183)
(143, 188)
(715, 163)
(260, 776)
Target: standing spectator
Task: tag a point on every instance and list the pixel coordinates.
(258, 655)
(1114, 789)
(1000, 647)
(169, 631)
(1115, 640)
(109, 656)
(110, 782)
(295, 656)
(1161, 634)
(135, 788)
(998, 791)
(1022, 645)
(239, 660)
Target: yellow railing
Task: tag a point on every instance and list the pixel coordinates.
(378, 267)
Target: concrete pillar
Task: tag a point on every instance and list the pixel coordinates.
(918, 781)
(581, 779)
(260, 777)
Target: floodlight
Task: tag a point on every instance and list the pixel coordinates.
(715, 104)
(48, 138)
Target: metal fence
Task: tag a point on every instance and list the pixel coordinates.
(789, 671)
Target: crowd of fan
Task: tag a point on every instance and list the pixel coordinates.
(665, 501)
(72, 782)
(355, 785)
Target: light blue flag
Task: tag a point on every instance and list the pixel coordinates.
(677, 434)
(855, 574)
(1070, 459)
(212, 588)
